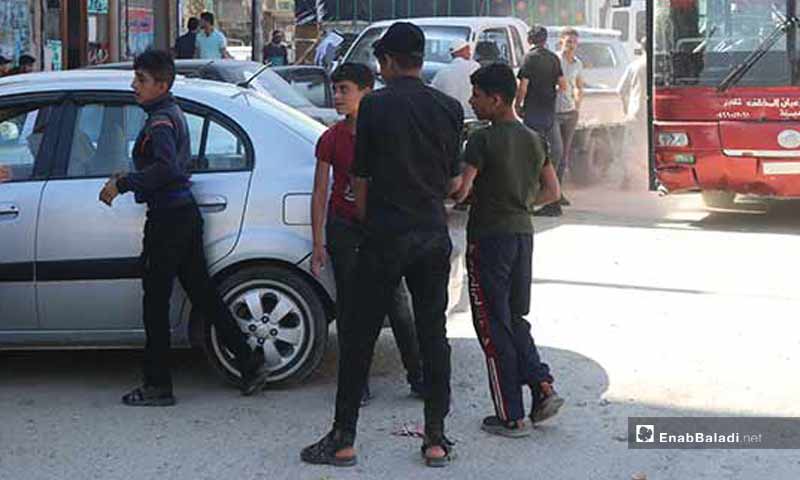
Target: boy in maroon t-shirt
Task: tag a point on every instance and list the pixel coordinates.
(339, 233)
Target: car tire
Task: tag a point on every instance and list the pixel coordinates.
(719, 199)
(292, 345)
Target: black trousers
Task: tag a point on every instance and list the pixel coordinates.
(343, 241)
(173, 247)
(500, 276)
(423, 258)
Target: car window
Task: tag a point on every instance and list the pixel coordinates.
(21, 134)
(105, 134)
(279, 88)
(621, 21)
(224, 150)
(596, 55)
(493, 46)
(438, 40)
(519, 48)
(641, 26)
(313, 87)
(102, 139)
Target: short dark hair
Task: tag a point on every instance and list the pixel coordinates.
(496, 79)
(193, 23)
(26, 59)
(158, 64)
(357, 73)
(405, 61)
(569, 32)
(537, 35)
(208, 17)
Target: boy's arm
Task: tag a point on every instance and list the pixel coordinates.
(361, 168)
(522, 91)
(164, 169)
(319, 199)
(550, 190)
(468, 179)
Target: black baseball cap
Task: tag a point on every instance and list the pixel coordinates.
(4, 60)
(401, 38)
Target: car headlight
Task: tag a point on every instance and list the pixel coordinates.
(673, 139)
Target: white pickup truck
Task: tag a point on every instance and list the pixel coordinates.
(505, 39)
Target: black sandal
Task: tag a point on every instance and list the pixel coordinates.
(149, 396)
(324, 451)
(447, 446)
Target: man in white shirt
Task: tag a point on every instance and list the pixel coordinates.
(633, 91)
(454, 79)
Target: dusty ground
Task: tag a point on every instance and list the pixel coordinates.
(643, 306)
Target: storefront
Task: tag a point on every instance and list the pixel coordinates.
(16, 34)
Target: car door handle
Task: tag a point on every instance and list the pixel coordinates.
(212, 203)
(8, 211)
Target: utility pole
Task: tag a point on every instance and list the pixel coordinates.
(257, 31)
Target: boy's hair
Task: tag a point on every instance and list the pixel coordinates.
(158, 64)
(357, 73)
(193, 23)
(405, 61)
(569, 32)
(208, 17)
(496, 79)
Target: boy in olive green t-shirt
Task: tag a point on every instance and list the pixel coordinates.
(508, 166)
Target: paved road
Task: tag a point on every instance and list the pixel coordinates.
(643, 305)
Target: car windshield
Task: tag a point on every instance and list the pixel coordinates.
(437, 44)
(699, 42)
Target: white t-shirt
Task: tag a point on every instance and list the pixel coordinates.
(566, 99)
(454, 80)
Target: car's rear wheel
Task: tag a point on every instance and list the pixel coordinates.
(283, 318)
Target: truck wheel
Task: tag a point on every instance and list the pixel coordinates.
(719, 199)
(283, 318)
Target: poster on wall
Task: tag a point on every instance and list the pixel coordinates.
(98, 7)
(15, 36)
(52, 55)
(141, 30)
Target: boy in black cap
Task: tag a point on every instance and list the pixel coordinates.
(173, 235)
(404, 169)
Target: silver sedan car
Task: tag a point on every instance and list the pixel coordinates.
(69, 268)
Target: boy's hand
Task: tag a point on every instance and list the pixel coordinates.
(109, 191)
(318, 260)
(462, 193)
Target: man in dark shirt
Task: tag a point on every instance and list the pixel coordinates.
(408, 139)
(540, 76)
(185, 44)
(173, 235)
(511, 173)
(275, 52)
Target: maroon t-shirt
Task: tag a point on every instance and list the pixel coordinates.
(337, 147)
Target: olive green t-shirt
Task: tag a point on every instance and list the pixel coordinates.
(509, 157)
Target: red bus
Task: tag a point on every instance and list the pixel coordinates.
(726, 98)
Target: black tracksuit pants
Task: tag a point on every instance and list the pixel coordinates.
(500, 275)
(173, 247)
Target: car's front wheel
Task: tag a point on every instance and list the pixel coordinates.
(281, 315)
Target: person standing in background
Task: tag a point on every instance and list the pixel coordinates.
(185, 44)
(5, 66)
(275, 52)
(210, 43)
(453, 79)
(629, 167)
(540, 78)
(568, 103)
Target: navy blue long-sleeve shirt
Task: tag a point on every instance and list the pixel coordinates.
(162, 158)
